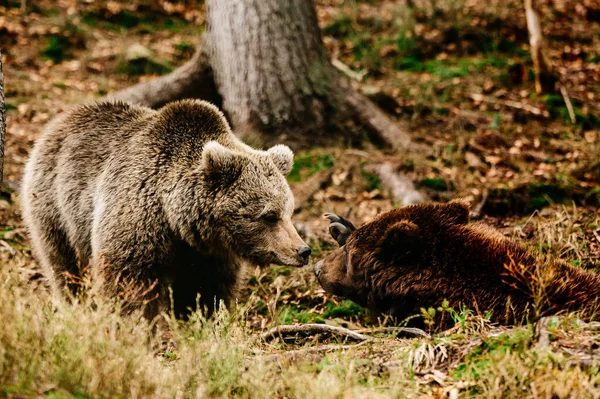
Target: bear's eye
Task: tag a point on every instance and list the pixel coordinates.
(270, 218)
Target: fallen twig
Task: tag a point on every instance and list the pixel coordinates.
(541, 334)
(512, 104)
(311, 329)
(596, 234)
(6, 247)
(358, 76)
(563, 91)
(402, 188)
(415, 332)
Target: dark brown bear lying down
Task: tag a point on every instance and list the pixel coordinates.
(417, 256)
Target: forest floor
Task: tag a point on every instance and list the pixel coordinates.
(458, 73)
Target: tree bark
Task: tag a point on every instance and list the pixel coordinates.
(2, 122)
(273, 75)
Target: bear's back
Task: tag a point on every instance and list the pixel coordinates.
(64, 166)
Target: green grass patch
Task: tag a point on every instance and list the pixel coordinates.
(481, 357)
(291, 315)
(57, 49)
(371, 179)
(450, 68)
(555, 104)
(143, 66)
(345, 309)
(184, 49)
(437, 184)
(307, 165)
(340, 27)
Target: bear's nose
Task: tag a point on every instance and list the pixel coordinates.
(304, 253)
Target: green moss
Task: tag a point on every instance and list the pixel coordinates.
(344, 309)
(372, 180)
(56, 49)
(340, 27)
(437, 184)
(555, 104)
(143, 66)
(291, 315)
(184, 49)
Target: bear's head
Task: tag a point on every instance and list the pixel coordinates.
(394, 256)
(252, 203)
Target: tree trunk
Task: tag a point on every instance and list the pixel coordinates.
(2, 122)
(544, 77)
(270, 64)
(272, 73)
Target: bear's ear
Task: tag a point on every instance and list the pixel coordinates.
(220, 163)
(283, 158)
(402, 241)
(457, 211)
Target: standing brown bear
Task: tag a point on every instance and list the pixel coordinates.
(417, 256)
(157, 199)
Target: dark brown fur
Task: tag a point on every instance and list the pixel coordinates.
(417, 256)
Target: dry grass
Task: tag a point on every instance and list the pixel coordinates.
(84, 349)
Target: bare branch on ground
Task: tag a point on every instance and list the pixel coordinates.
(392, 134)
(311, 329)
(542, 336)
(511, 104)
(565, 94)
(410, 331)
(476, 212)
(402, 188)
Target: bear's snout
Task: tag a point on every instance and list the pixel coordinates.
(304, 253)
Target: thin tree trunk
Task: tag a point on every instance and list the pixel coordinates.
(2, 122)
(544, 77)
(272, 73)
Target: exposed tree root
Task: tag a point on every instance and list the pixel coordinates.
(311, 329)
(374, 119)
(194, 79)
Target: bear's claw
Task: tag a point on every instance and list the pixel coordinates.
(339, 228)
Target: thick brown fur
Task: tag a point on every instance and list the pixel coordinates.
(157, 199)
(416, 256)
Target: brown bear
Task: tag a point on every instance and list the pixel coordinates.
(420, 255)
(157, 199)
